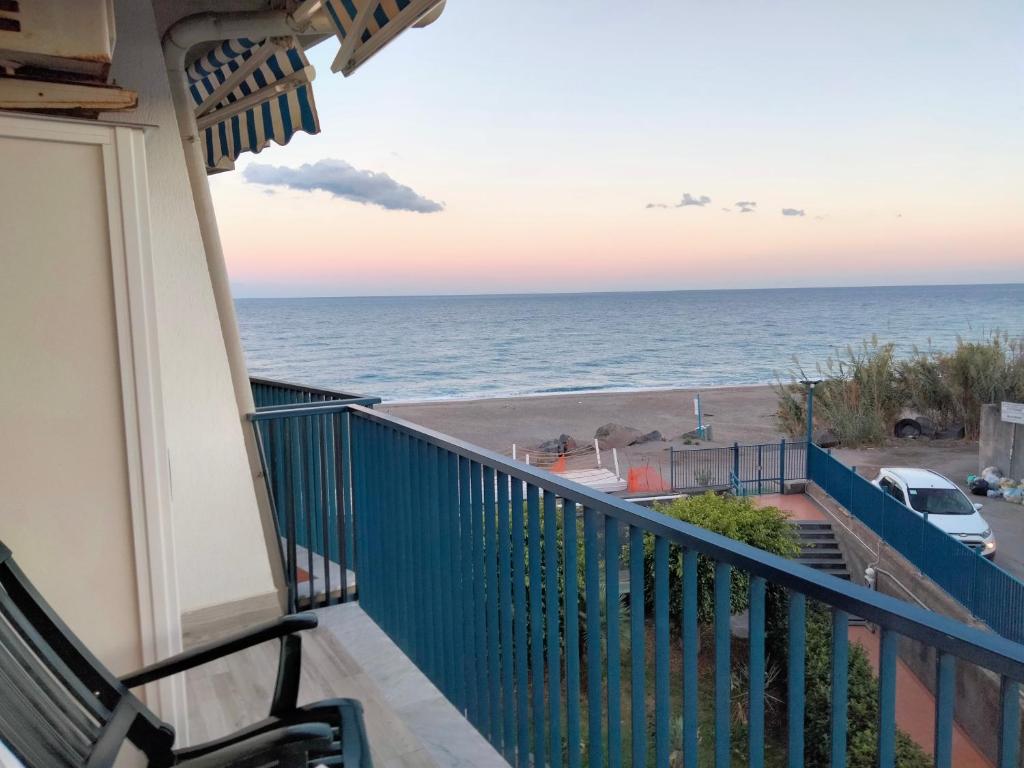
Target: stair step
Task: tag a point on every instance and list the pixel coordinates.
(824, 564)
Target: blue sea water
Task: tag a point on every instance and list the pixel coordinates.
(444, 347)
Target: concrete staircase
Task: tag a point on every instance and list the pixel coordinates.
(819, 548)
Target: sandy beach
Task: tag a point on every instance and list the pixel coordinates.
(743, 414)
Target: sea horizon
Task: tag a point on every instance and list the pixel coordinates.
(476, 346)
(513, 294)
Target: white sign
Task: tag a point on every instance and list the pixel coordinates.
(1013, 413)
(696, 406)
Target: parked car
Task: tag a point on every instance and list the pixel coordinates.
(946, 506)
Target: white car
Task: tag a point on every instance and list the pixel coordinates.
(946, 506)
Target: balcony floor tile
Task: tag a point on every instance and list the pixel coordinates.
(409, 723)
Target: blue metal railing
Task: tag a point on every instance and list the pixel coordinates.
(501, 582)
(270, 393)
(985, 589)
(761, 467)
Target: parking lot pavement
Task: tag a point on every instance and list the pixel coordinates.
(955, 459)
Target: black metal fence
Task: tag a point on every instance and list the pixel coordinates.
(759, 468)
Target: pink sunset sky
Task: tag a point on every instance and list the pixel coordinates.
(524, 156)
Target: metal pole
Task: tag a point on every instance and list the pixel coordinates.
(810, 413)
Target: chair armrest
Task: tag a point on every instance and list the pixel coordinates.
(286, 625)
(280, 746)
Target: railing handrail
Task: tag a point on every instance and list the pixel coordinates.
(334, 393)
(948, 635)
(271, 411)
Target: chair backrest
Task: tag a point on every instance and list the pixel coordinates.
(59, 706)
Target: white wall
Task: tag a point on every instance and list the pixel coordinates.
(221, 553)
(66, 509)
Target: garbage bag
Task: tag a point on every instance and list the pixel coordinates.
(979, 487)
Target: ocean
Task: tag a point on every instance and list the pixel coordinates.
(454, 347)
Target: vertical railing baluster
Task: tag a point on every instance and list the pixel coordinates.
(592, 582)
(887, 657)
(1009, 723)
(637, 648)
(479, 606)
(310, 498)
(491, 554)
(410, 537)
(755, 727)
(661, 653)
(572, 633)
(520, 625)
(288, 508)
(468, 612)
(691, 715)
(322, 446)
(329, 494)
(409, 551)
(796, 663)
(505, 597)
(723, 672)
(945, 695)
(536, 622)
(553, 634)
(433, 538)
(456, 552)
(614, 671)
(840, 672)
(347, 527)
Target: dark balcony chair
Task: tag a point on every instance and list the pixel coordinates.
(61, 708)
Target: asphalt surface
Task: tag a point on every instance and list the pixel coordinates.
(955, 460)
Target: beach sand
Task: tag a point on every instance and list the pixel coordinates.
(743, 414)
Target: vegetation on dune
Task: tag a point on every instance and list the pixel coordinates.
(863, 393)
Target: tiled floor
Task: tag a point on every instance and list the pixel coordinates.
(796, 505)
(409, 723)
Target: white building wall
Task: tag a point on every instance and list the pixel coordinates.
(221, 553)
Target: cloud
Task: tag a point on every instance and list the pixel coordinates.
(655, 205)
(793, 212)
(343, 180)
(689, 199)
(746, 206)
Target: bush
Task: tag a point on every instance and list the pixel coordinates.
(951, 388)
(862, 706)
(864, 392)
(766, 528)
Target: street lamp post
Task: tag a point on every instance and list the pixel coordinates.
(809, 385)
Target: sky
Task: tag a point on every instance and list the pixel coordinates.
(599, 146)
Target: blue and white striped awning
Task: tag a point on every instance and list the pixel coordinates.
(366, 26)
(248, 93)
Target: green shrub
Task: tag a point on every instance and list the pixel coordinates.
(862, 704)
(766, 528)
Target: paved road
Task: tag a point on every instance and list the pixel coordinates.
(955, 460)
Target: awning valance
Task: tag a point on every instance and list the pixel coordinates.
(248, 93)
(366, 26)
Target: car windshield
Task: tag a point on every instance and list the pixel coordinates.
(940, 501)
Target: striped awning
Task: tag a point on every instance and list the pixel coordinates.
(366, 26)
(248, 93)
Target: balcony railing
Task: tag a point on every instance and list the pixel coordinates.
(505, 585)
(267, 393)
(986, 590)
